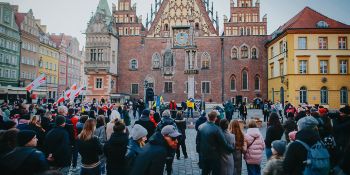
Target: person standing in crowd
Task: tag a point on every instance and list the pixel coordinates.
(152, 158)
(165, 121)
(253, 148)
(183, 106)
(100, 131)
(58, 146)
(227, 161)
(8, 140)
(212, 142)
(115, 150)
(190, 107)
(289, 125)
(90, 149)
(126, 117)
(134, 108)
(266, 111)
(279, 108)
(243, 111)
(341, 128)
(141, 106)
(202, 119)
(274, 166)
(81, 122)
(136, 142)
(25, 158)
(181, 125)
(297, 152)
(274, 132)
(228, 107)
(35, 125)
(236, 129)
(173, 108)
(115, 116)
(145, 122)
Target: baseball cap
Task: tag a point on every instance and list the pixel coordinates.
(171, 131)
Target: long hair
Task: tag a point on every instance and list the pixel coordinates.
(274, 120)
(88, 130)
(235, 128)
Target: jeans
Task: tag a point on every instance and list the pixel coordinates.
(253, 169)
(91, 171)
(190, 111)
(210, 166)
(75, 155)
(268, 153)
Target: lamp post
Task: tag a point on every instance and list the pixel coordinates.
(145, 86)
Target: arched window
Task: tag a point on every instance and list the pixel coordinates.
(168, 59)
(244, 52)
(324, 95)
(156, 61)
(234, 54)
(242, 31)
(196, 26)
(248, 31)
(133, 64)
(344, 96)
(233, 83)
(257, 82)
(166, 27)
(205, 60)
(244, 80)
(254, 53)
(303, 95)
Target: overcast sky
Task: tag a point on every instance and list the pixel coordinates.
(71, 16)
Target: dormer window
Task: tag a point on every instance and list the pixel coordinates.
(322, 24)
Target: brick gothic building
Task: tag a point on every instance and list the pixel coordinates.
(180, 52)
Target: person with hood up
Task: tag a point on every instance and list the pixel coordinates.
(115, 150)
(145, 122)
(25, 158)
(253, 148)
(152, 158)
(136, 142)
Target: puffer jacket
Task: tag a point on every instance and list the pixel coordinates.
(254, 148)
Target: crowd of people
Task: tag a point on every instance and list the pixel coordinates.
(49, 139)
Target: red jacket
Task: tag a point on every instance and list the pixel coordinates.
(172, 106)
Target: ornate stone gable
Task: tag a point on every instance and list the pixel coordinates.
(177, 13)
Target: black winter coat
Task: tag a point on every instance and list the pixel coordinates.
(23, 160)
(212, 141)
(152, 158)
(89, 150)
(57, 143)
(273, 133)
(296, 153)
(147, 124)
(115, 150)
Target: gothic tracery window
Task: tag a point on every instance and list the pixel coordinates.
(244, 52)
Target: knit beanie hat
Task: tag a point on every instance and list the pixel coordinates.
(279, 146)
(138, 132)
(307, 122)
(145, 112)
(23, 137)
(60, 120)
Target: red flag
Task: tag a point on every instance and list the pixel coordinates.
(60, 100)
(36, 83)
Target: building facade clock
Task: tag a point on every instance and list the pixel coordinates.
(181, 37)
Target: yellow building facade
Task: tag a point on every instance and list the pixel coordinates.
(308, 61)
(48, 65)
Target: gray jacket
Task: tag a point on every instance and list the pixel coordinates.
(226, 161)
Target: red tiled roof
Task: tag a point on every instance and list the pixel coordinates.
(19, 18)
(308, 18)
(57, 39)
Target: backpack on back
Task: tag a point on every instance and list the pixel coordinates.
(317, 162)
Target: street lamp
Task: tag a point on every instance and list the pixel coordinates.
(145, 86)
